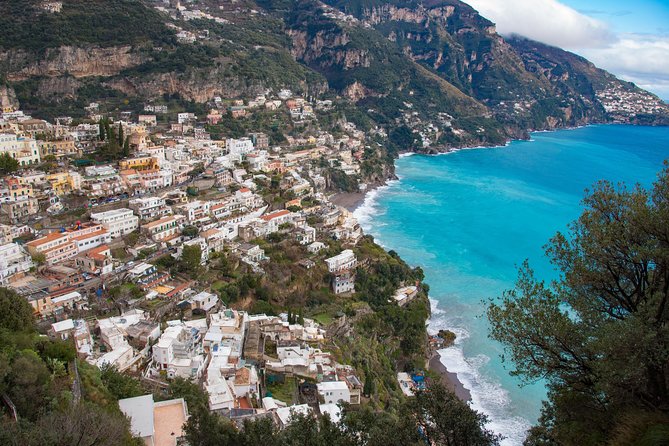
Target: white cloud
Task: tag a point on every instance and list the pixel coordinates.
(547, 21)
(640, 58)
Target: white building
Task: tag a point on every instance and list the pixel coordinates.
(342, 262)
(24, 150)
(203, 301)
(156, 423)
(179, 351)
(275, 219)
(118, 222)
(333, 392)
(238, 148)
(14, 261)
(149, 208)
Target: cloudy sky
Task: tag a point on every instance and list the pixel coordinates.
(630, 39)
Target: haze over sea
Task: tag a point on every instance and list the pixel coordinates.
(469, 218)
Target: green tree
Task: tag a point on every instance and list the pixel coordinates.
(8, 164)
(191, 257)
(16, 314)
(599, 335)
(120, 385)
(39, 258)
(81, 424)
(126, 147)
(196, 398)
(102, 130)
(190, 231)
(446, 420)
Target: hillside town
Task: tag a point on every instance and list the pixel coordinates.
(116, 229)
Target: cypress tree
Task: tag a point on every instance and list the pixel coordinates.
(126, 146)
(121, 139)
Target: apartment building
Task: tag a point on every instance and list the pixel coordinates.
(117, 222)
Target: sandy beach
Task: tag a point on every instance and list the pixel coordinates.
(450, 380)
(349, 200)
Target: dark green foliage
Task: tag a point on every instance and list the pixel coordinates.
(446, 420)
(8, 164)
(81, 424)
(190, 259)
(456, 424)
(196, 398)
(340, 181)
(16, 314)
(120, 385)
(599, 335)
(190, 231)
(98, 22)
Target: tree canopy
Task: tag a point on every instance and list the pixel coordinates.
(599, 334)
(16, 314)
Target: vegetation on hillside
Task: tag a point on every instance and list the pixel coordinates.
(37, 377)
(27, 26)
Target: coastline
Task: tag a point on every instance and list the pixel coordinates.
(349, 200)
(352, 201)
(449, 379)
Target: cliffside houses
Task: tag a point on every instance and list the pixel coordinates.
(342, 267)
(109, 237)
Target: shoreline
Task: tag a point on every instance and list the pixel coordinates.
(449, 379)
(351, 201)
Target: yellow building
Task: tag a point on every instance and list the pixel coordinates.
(58, 148)
(139, 163)
(64, 182)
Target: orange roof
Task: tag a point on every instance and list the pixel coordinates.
(128, 172)
(161, 221)
(46, 239)
(244, 190)
(242, 376)
(91, 235)
(273, 215)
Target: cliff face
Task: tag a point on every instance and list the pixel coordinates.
(526, 84)
(68, 60)
(8, 98)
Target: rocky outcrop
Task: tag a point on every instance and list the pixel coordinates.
(73, 61)
(58, 88)
(8, 100)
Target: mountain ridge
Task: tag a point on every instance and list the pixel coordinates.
(436, 67)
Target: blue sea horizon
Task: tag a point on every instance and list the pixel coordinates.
(470, 218)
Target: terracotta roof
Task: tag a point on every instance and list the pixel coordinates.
(46, 239)
(161, 221)
(242, 376)
(273, 215)
(91, 235)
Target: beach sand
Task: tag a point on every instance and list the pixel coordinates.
(348, 200)
(450, 380)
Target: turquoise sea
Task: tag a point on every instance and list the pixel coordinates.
(469, 218)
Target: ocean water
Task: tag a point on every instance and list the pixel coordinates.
(469, 218)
